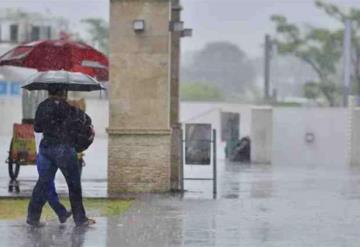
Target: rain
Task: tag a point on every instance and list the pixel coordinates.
(179, 123)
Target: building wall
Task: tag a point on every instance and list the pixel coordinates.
(25, 24)
(10, 110)
(354, 133)
(261, 134)
(139, 124)
(210, 112)
(329, 127)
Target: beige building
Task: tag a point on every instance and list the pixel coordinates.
(139, 125)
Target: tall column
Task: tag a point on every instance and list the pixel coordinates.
(176, 138)
(139, 124)
(353, 132)
(261, 135)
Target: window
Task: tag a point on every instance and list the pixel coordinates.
(15, 88)
(197, 144)
(3, 87)
(35, 33)
(230, 124)
(14, 33)
(48, 32)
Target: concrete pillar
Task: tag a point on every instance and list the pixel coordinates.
(261, 135)
(176, 138)
(354, 132)
(139, 124)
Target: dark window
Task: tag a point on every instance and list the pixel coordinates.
(14, 33)
(48, 32)
(35, 33)
(230, 123)
(198, 144)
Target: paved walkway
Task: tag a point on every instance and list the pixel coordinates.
(92, 188)
(256, 206)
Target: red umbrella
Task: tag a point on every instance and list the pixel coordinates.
(61, 54)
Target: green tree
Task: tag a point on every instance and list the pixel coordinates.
(223, 65)
(321, 48)
(318, 47)
(353, 15)
(311, 90)
(99, 32)
(200, 92)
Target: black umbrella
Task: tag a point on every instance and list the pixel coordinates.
(71, 81)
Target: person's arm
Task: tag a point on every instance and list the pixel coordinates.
(38, 121)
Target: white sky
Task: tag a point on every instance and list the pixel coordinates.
(243, 22)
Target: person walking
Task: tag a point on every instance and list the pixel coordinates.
(54, 118)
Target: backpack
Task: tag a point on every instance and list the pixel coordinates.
(80, 130)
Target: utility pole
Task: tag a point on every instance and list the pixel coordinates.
(347, 62)
(267, 58)
(176, 138)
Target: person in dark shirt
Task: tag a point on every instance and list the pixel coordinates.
(54, 118)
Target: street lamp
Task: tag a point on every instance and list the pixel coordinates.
(187, 32)
(139, 25)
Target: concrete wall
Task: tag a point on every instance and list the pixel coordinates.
(261, 134)
(329, 127)
(354, 138)
(10, 112)
(209, 112)
(353, 131)
(278, 135)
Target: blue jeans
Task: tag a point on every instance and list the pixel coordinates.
(42, 164)
(63, 157)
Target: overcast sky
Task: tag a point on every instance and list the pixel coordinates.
(243, 22)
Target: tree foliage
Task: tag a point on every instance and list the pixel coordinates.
(311, 90)
(353, 15)
(99, 32)
(321, 48)
(318, 47)
(200, 92)
(223, 65)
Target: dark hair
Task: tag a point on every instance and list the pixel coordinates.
(57, 90)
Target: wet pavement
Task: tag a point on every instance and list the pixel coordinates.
(257, 205)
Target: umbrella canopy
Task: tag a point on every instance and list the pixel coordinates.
(61, 54)
(71, 81)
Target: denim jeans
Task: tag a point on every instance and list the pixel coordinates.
(43, 164)
(63, 157)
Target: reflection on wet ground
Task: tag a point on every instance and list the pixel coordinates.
(257, 205)
(16, 233)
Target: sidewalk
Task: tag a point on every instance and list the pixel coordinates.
(256, 206)
(92, 188)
